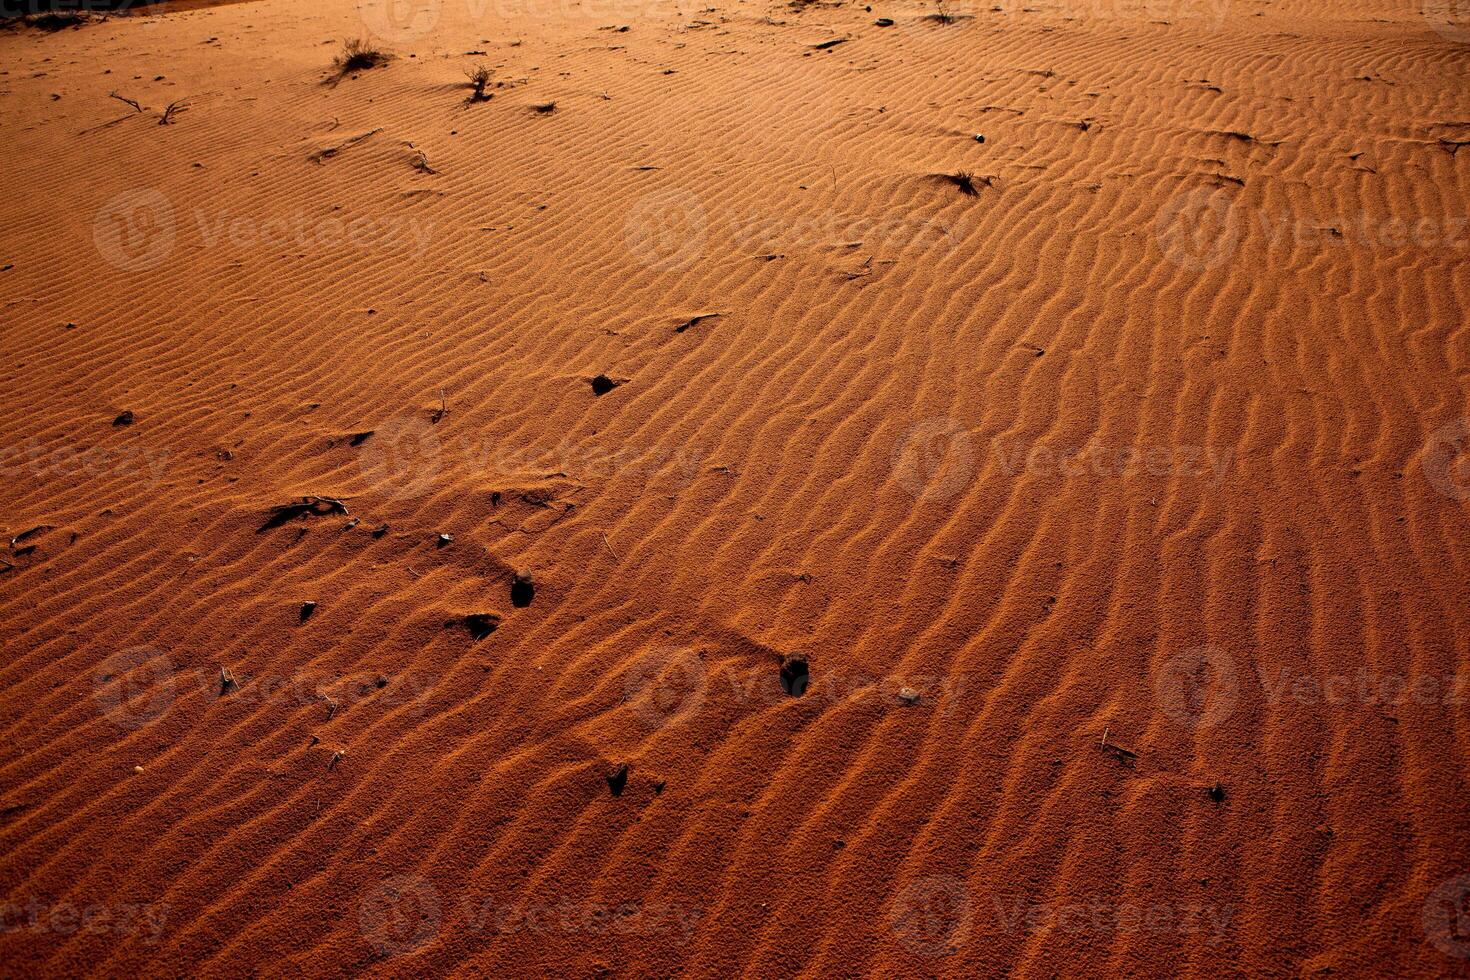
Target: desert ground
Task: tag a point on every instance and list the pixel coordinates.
(744, 489)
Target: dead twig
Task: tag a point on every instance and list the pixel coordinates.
(29, 532)
(695, 320)
(1126, 756)
(171, 110)
(328, 152)
(123, 99)
(606, 544)
(306, 506)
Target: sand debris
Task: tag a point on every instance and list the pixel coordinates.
(522, 589)
(618, 779)
(308, 506)
(795, 674)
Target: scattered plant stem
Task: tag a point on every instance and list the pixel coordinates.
(171, 110)
(123, 99)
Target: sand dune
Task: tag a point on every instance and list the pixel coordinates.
(1114, 494)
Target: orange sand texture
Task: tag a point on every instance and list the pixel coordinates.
(1143, 467)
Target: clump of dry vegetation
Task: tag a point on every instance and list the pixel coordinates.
(479, 77)
(967, 182)
(942, 13)
(356, 56)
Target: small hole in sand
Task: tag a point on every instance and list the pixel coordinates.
(522, 590)
(794, 674)
(617, 779)
(481, 625)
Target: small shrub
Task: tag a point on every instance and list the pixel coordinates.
(479, 77)
(359, 56)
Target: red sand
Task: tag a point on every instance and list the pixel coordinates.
(1144, 467)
